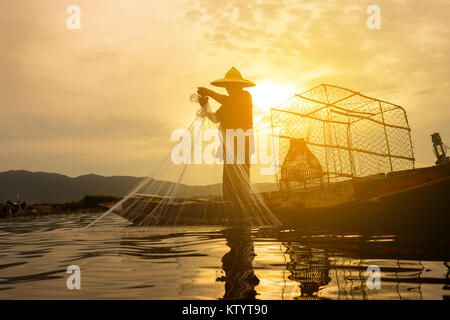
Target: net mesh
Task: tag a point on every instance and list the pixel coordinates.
(187, 188)
(343, 135)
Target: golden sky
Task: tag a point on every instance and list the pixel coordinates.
(105, 99)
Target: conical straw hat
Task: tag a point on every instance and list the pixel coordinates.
(233, 76)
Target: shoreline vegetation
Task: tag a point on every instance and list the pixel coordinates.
(88, 204)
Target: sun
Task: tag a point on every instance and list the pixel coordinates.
(268, 95)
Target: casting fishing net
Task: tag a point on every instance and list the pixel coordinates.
(200, 182)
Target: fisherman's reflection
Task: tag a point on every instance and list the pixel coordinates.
(240, 279)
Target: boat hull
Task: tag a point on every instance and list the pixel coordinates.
(415, 201)
(422, 209)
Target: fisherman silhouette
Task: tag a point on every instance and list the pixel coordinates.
(235, 113)
(240, 279)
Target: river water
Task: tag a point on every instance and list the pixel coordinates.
(118, 261)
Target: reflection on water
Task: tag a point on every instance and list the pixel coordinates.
(119, 261)
(240, 279)
(309, 267)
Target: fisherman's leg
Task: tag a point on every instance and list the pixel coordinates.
(227, 182)
(243, 178)
(236, 178)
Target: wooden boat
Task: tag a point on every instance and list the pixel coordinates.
(406, 201)
(145, 209)
(414, 201)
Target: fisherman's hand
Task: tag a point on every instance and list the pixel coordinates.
(203, 100)
(202, 91)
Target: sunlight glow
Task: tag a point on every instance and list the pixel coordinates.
(268, 95)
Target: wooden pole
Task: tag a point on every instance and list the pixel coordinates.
(410, 141)
(353, 149)
(350, 154)
(386, 136)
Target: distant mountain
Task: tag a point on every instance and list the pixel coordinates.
(42, 187)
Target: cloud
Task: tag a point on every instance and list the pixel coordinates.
(97, 56)
(311, 42)
(123, 80)
(108, 127)
(302, 35)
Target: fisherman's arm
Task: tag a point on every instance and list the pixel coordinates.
(220, 98)
(211, 116)
(207, 112)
